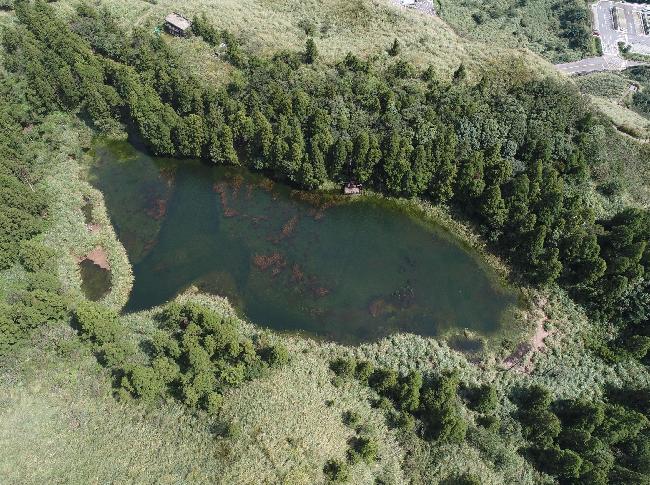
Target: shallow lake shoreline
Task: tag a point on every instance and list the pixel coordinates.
(425, 214)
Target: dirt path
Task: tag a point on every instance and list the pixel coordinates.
(520, 358)
(540, 334)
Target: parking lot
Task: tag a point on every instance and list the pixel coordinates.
(622, 22)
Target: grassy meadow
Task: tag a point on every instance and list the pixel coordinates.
(514, 23)
(365, 27)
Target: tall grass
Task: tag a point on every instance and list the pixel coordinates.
(513, 23)
(67, 231)
(364, 27)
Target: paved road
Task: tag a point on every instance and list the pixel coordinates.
(604, 25)
(594, 64)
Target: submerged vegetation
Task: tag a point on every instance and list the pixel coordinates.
(346, 269)
(511, 154)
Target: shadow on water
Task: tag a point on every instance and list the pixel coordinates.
(342, 269)
(95, 280)
(467, 345)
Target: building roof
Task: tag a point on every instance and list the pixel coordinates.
(178, 21)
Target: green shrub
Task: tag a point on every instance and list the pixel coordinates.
(311, 52)
(143, 383)
(336, 471)
(166, 368)
(561, 463)
(278, 356)
(580, 414)
(351, 419)
(483, 399)
(489, 422)
(574, 439)
(38, 307)
(384, 381)
(97, 323)
(115, 355)
(44, 281)
(367, 448)
(638, 346)
(466, 479)
(408, 391)
(344, 367)
(214, 402)
(9, 331)
(440, 411)
(405, 421)
(363, 371)
(34, 256)
(395, 48)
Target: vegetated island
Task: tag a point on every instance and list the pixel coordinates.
(190, 392)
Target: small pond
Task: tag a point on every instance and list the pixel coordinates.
(349, 270)
(95, 280)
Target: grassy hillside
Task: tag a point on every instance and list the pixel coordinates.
(558, 31)
(60, 421)
(625, 157)
(364, 27)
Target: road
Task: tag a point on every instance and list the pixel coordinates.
(611, 59)
(594, 64)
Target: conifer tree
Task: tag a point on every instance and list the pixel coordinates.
(311, 52)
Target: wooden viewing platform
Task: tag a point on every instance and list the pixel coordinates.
(352, 188)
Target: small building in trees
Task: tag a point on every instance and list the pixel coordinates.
(351, 188)
(178, 25)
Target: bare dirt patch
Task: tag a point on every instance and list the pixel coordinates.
(520, 358)
(97, 256)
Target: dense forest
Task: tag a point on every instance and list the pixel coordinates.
(22, 217)
(510, 153)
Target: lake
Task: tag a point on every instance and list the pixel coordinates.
(341, 268)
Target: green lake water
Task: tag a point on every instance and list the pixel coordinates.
(343, 269)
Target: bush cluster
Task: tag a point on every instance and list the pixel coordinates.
(195, 355)
(407, 397)
(594, 442)
(23, 207)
